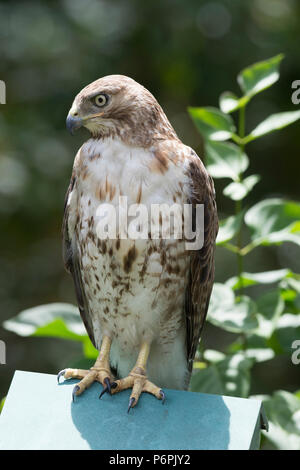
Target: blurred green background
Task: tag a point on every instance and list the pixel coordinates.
(186, 53)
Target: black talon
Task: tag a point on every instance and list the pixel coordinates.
(163, 396)
(105, 389)
(75, 390)
(62, 372)
(107, 382)
(131, 402)
(108, 387)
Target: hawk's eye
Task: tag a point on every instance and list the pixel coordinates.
(101, 100)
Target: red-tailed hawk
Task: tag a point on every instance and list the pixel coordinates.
(143, 301)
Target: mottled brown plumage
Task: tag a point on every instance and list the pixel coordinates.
(136, 296)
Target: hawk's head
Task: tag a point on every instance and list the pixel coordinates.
(119, 106)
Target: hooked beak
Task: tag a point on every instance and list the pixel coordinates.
(73, 123)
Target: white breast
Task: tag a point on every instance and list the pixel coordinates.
(135, 288)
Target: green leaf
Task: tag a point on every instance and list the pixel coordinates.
(270, 306)
(283, 411)
(274, 221)
(290, 291)
(258, 348)
(260, 354)
(58, 319)
(251, 279)
(238, 190)
(230, 376)
(273, 123)
(212, 123)
(229, 102)
(225, 160)
(293, 281)
(2, 403)
(259, 76)
(90, 352)
(229, 227)
(231, 315)
(210, 355)
(287, 332)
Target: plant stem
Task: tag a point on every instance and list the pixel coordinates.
(238, 205)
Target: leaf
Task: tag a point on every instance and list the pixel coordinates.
(210, 355)
(269, 306)
(238, 190)
(229, 102)
(225, 160)
(226, 313)
(251, 279)
(258, 348)
(293, 281)
(273, 123)
(229, 227)
(259, 76)
(58, 319)
(287, 332)
(2, 403)
(212, 123)
(274, 221)
(260, 354)
(90, 352)
(290, 291)
(230, 376)
(283, 411)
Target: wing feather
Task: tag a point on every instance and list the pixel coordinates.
(72, 263)
(201, 273)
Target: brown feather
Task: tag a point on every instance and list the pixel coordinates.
(201, 275)
(72, 265)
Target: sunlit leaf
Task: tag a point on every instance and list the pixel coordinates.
(288, 332)
(238, 190)
(210, 355)
(269, 306)
(2, 403)
(90, 352)
(225, 160)
(274, 221)
(229, 102)
(230, 376)
(212, 123)
(251, 279)
(283, 411)
(273, 123)
(258, 348)
(231, 315)
(58, 319)
(229, 227)
(260, 354)
(259, 76)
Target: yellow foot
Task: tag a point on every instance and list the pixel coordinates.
(100, 372)
(95, 374)
(137, 380)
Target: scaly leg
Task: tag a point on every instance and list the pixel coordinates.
(100, 372)
(137, 380)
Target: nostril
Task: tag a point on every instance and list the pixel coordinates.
(75, 114)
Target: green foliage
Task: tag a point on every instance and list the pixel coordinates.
(283, 411)
(2, 404)
(226, 375)
(268, 325)
(58, 320)
(263, 327)
(212, 123)
(259, 76)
